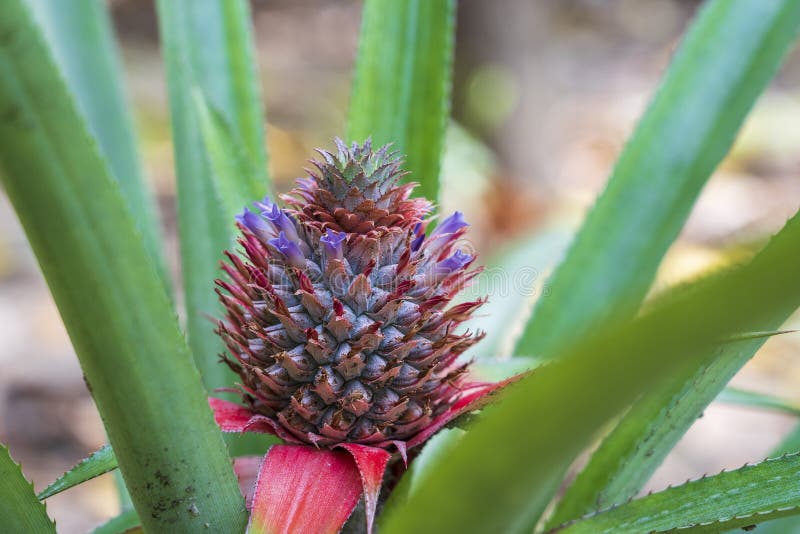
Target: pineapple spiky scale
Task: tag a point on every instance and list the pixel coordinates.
(337, 309)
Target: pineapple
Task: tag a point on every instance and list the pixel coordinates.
(337, 319)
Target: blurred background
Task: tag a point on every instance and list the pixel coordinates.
(545, 94)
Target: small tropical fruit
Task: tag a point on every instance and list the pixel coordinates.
(337, 310)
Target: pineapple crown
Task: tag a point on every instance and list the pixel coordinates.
(357, 191)
(337, 319)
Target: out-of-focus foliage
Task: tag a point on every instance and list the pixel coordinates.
(401, 86)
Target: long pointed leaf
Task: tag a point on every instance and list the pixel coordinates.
(81, 38)
(403, 77)
(207, 45)
(20, 510)
(726, 59)
(760, 335)
(507, 467)
(789, 445)
(229, 165)
(99, 462)
(753, 399)
(630, 454)
(635, 448)
(740, 498)
(113, 304)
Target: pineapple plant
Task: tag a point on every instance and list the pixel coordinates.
(336, 308)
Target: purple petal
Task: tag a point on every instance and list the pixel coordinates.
(258, 226)
(445, 234)
(281, 221)
(453, 263)
(332, 244)
(419, 231)
(450, 225)
(265, 205)
(289, 249)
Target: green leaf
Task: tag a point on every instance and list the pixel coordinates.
(208, 46)
(20, 510)
(114, 306)
(81, 39)
(509, 464)
(434, 450)
(641, 440)
(123, 522)
(232, 179)
(754, 399)
(403, 78)
(726, 59)
(747, 496)
(789, 445)
(760, 335)
(99, 462)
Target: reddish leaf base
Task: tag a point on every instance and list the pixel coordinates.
(371, 463)
(300, 488)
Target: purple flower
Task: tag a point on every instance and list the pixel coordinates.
(265, 205)
(256, 225)
(457, 261)
(444, 234)
(419, 231)
(332, 244)
(289, 249)
(451, 225)
(282, 222)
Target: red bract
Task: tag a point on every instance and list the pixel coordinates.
(291, 476)
(339, 325)
(301, 489)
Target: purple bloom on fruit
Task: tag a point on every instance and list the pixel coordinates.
(451, 225)
(265, 204)
(255, 225)
(456, 262)
(332, 243)
(288, 249)
(281, 222)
